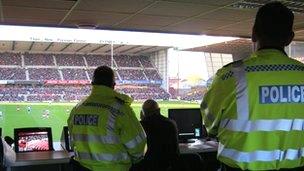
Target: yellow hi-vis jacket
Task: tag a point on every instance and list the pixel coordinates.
(256, 109)
(105, 133)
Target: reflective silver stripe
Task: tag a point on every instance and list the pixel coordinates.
(112, 118)
(111, 122)
(137, 140)
(102, 156)
(108, 139)
(261, 155)
(263, 125)
(241, 91)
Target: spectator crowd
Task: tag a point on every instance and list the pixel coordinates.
(42, 67)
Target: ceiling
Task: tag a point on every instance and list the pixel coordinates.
(229, 47)
(53, 47)
(211, 17)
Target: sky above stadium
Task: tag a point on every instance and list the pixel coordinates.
(187, 65)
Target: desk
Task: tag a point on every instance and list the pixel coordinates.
(56, 159)
(199, 146)
(41, 158)
(206, 149)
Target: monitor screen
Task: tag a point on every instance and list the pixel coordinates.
(65, 139)
(33, 139)
(189, 123)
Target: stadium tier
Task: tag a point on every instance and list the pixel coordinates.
(43, 74)
(128, 74)
(10, 59)
(38, 59)
(40, 93)
(66, 77)
(127, 61)
(98, 60)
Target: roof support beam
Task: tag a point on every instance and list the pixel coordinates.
(1, 12)
(69, 12)
(65, 47)
(99, 47)
(49, 46)
(117, 47)
(31, 46)
(84, 46)
(134, 47)
(13, 45)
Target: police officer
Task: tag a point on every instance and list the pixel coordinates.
(255, 106)
(105, 132)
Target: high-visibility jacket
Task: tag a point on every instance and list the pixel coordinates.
(256, 109)
(105, 132)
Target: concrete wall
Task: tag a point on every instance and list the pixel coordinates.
(160, 61)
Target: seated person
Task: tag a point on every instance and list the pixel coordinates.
(162, 139)
(8, 155)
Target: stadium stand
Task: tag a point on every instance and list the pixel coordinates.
(43, 74)
(128, 74)
(12, 74)
(98, 60)
(152, 74)
(74, 74)
(38, 59)
(70, 60)
(195, 94)
(66, 77)
(127, 61)
(145, 92)
(10, 58)
(144, 60)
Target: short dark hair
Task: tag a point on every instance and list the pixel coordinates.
(103, 75)
(274, 22)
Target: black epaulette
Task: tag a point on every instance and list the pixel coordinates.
(120, 100)
(234, 63)
(228, 74)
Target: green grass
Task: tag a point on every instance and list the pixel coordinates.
(59, 112)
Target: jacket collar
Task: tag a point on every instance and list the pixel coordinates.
(267, 51)
(104, 91)
(273, 48)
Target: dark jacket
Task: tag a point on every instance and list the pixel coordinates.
(162, 141)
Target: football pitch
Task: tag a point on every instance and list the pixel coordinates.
(18, 115)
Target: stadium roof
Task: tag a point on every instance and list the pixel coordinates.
(211, 17)
(53, 39)
(228, 47)
(57, 47)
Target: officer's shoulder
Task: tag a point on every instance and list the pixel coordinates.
(226, 68)
(80, 103)
(296, 61)
(123, 99)
(120, 101)
(234, 63)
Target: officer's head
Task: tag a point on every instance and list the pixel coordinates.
(273, 26)
(104, 75)
(149, 108)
